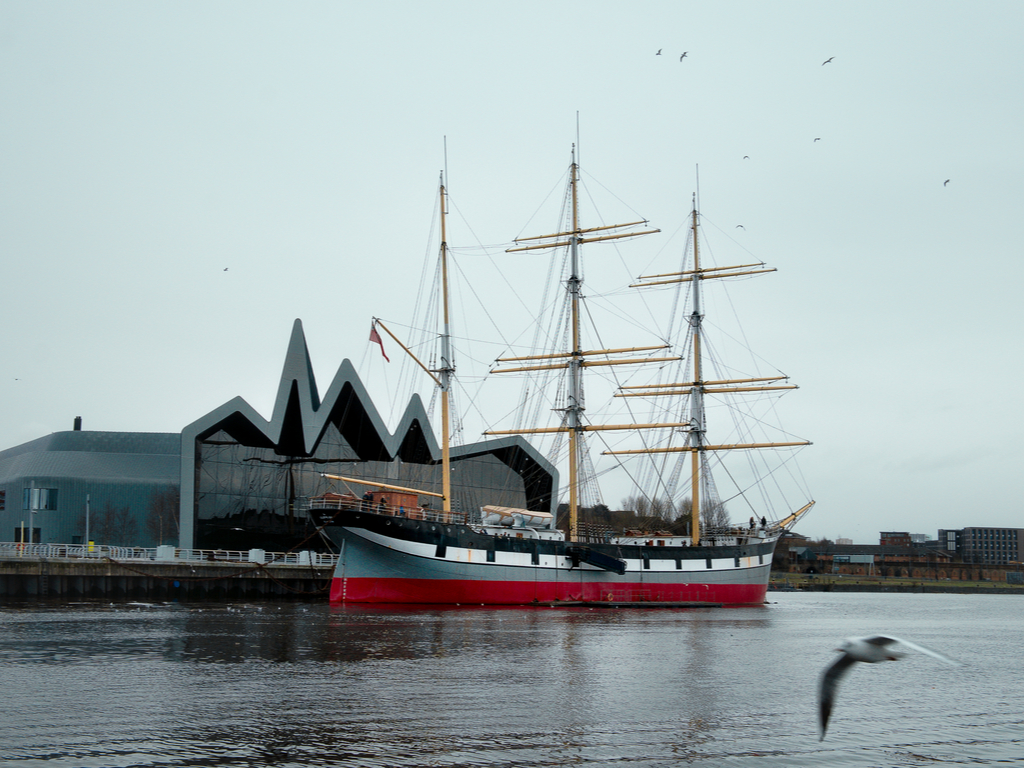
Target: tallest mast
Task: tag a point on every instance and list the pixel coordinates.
(697, 428)
(447, 368)
(576, 358)
(574, 409)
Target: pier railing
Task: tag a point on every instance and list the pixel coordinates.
(12, 550)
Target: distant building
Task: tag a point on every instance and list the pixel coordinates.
(894, 539)
(988, 545)
(951, 540)
(845, 542)
(865, 559)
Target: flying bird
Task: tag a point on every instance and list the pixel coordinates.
(740, 226)
(866, 649)
(225, 269)
(826, 61)
(945, 182)
(658, 53)
(817, 139)
(684, 55)
(746, 157)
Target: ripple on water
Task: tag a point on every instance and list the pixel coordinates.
(286, 685)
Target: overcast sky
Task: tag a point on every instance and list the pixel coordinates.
(181, 181)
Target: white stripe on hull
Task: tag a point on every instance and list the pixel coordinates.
(373, 555)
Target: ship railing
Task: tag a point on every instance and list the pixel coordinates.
(352, 503)
(734, 535)
(13, 550)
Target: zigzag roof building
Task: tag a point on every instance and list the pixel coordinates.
(253, 474)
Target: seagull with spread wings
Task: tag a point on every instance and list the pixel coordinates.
(869, 649)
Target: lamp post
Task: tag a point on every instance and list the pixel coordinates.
(33, 506)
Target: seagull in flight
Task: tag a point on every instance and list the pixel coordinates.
(740, 226)
(817, 139)
(684, 55)
(867, 649)
(658, 53)
(826, 61)
(945, 182)
(746, 157)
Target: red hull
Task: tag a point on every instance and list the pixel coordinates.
(436, 591)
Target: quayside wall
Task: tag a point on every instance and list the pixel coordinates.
(67, 574)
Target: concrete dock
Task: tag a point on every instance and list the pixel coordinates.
(72, 572)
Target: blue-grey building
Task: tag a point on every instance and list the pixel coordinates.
(113, 487)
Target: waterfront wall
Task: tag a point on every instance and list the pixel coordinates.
(928, 571)
(112, 581)
(34, 579)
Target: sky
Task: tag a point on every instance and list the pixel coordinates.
(179, 182)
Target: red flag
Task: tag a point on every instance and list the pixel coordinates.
(375, 337)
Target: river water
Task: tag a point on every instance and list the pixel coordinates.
(277, 684)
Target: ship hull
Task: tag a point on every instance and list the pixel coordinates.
(383, 559)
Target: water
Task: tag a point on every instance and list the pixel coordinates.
(308, 685)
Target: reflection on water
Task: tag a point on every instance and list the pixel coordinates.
(310, 685)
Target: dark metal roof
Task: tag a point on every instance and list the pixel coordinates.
(101, 442)
(300, 420)
(108, 456)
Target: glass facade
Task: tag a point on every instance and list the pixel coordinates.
(255, 498)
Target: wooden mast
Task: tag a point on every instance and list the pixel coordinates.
(445, 371)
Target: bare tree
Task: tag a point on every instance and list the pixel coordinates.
(646, 507)
(116, 525)
(714, 516)
(162, 519)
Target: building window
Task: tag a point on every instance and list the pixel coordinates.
(39, 498)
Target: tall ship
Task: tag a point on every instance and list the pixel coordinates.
(405, 545)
